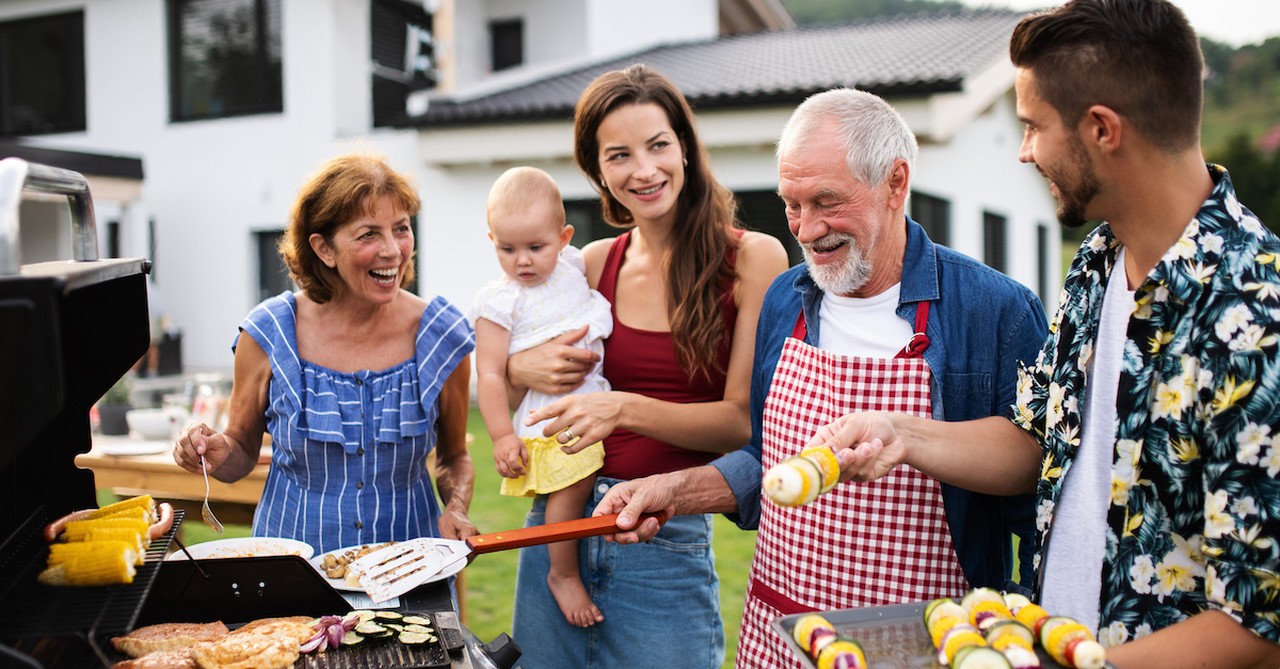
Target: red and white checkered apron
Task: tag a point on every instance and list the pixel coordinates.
(862, 544)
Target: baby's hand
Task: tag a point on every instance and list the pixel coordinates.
(510, 456)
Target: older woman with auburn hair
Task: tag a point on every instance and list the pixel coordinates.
(356, 379)
(686, 286)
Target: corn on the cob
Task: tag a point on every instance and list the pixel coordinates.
(144, 502)
(812, 632)
(799, 479)
(136, 542)
(1033, 616)
(1071, 644)
(959, 637)
(106, 567)
(61, 553)
(133, 512)
(842, 654)
(985, 613)
(77, 529)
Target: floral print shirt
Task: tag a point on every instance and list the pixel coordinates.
(1194, 515)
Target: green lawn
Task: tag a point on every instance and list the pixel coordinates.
(490, 581)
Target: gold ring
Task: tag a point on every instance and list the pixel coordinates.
(568, 435)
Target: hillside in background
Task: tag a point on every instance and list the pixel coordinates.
(1242, 92)
(813, 12)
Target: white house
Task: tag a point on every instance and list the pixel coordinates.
(224, 106)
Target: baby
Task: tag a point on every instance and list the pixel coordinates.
(544, 294)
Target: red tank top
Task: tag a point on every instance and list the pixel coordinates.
(645, 362)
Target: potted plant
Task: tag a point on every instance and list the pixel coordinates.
(114, 405)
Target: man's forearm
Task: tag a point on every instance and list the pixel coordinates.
(702, 490)
(1209, 639)
(988, 455)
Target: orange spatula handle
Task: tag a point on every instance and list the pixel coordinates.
(550, 533)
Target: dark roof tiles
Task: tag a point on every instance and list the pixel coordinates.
(898, 55)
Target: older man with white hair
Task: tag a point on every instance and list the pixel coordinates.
(877, 317)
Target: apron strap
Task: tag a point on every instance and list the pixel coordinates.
(915, 346)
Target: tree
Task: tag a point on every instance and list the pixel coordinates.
(1255, 175)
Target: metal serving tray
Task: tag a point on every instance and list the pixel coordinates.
(893, 637)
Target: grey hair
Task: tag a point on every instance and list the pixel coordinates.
(872, 133)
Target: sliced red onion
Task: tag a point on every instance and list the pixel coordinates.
(312, 644)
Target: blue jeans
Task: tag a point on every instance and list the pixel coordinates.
(661, 600)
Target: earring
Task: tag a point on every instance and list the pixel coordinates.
(686, 162)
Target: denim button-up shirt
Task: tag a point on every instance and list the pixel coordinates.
(982, 325)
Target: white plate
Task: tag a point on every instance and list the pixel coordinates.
(245, 547)
(340, 584)
(135, 447)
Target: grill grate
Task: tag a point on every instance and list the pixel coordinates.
(381, 654)
(51, 611)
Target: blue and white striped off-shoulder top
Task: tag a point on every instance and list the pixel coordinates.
(349, 449)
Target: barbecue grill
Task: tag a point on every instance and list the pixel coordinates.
(68, 330)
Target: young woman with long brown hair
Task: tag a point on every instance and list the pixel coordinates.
(686, 284)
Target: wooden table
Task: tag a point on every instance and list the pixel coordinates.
(156, 473)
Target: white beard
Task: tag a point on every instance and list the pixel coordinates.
(843, 278)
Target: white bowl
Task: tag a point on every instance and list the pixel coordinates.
(245, 547)
(155, 424)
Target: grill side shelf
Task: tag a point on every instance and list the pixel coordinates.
(38, 610)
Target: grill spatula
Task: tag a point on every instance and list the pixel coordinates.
(392, 571)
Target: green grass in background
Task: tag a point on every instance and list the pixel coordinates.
(489, 582)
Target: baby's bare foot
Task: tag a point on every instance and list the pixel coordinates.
(575, 603)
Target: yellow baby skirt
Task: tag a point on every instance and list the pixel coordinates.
(551, 469)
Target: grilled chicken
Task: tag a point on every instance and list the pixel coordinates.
(167, 637)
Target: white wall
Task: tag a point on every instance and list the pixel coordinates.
(979, 170)
(615, 28)
(567, 31)
(210, 184)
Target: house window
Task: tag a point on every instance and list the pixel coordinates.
(113, 239)
(506, 42)
(402, 51)
(224, 58)
(934, 215)
(587, 221)
(762, 211)
(273, 276)
(994, 240)
(1042, 262)
(42, 75)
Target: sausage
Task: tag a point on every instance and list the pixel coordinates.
(161, 527)
(52, 530)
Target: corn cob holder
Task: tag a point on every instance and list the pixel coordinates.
(799, 479)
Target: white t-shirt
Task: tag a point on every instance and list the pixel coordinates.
(1078, 539)
(863, 326)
